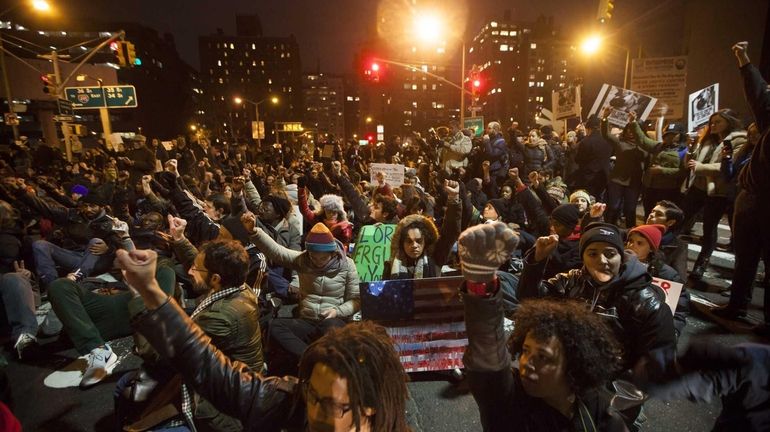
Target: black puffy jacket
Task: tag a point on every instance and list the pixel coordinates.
(636, 310)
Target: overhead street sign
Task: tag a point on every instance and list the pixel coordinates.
(65, 107)
(102, 97)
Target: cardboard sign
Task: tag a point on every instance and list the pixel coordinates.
(622, 101)
(394, 173)
(672, 290)
(566, 103)
(663, 78)
(372, 250)
(701, 105)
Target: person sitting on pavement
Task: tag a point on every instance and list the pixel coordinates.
(644, 241)
(565, 352)
(418, 249)
(674, 249)
(332, 213)
(328, 285)
(349, 379)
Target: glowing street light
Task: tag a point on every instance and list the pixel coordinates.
(591, 44)
(41, 5)
(237, 100)
(427, 27)
(193, 128)
(368, 119)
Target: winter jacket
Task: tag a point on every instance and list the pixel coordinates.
(336, 287)
(629, 159)
(755, 177)
(635, 309)
(707, 175)
(660, 269)
(593, 161)
(667, 158)
(537, 156)
(496, 152)
(738, 375)
(260, 403)
(342, 230)
(503, 403)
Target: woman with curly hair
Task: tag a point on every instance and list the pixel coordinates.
(566, 353)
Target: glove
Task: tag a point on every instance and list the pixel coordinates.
(484, 248)
(301, 181)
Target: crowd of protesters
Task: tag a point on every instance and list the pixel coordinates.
(195, 249)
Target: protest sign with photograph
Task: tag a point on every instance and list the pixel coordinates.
(701, 105)
(394, 173)
(663, 78)
(372, 249)
(566, 103)
(622, 101)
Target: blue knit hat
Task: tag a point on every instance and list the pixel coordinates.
(79, 189)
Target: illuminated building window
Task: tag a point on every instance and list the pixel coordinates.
(503, 32)
(232, 46)
(414, 86)
(493, 24)
(253, 46)
(407, 86)
(503, 47)
(221, 81)
(531, 83)
(219, 62)
(533, 46)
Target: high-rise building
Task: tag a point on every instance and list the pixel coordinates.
(255, 68)
(324, 97)
(519, 65)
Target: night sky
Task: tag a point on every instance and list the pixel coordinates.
(330, 30)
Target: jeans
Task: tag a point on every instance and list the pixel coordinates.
(713, 209)
(90, 318)
(48, 256)
(19, 302)
(625, 195)
(295, 334)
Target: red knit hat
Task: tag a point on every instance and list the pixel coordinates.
(320, 239)
(653, 233)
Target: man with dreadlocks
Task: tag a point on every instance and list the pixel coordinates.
(350, 379)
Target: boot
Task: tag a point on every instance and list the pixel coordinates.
(729, 312)
(699, 268)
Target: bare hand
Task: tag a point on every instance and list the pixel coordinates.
(485, 165)
(249, 222)
(632, 116)
(176, 227)
(146, 189)
(329, 313)
(452, 188)
(740, 50)
(98, 248)
(18, 267)
(238, 183)
(655, 169)
(692, 164)
(534, 179)
(606, 111)
(138, 268)
(597, 210)
(544, 246)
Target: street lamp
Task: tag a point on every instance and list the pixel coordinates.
(593, 43)
(239, 100)
(38, 5)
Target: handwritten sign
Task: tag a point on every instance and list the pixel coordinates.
(672, 290)
(372, 250)
(394, 173)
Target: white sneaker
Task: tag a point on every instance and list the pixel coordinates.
(101, 362)
(24, 345)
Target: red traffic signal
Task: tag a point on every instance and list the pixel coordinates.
(49, 83)
(476, 83)
(370, 138)
(372, 71)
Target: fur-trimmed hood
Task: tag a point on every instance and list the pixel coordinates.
(333, 203)
(425, 224)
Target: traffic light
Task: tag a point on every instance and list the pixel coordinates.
(372, 71)
(606, 7)
(49, 84)
(131, 54)
(120, 54)
(370, 138)
(476, 81)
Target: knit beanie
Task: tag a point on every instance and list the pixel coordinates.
(320, 239)
(484, 248)
(567, 214)
(601, 232)
(580, 193)
(653, 234)
(501, 207)
(79, 189)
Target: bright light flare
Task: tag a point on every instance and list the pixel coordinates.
(274, 100)
(591, 44)
(237, 100)
(428, 27)
(41, 5)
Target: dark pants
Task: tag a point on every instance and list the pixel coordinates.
(90, 318)
(713, 209)
(651, 196)
(295, 334)
(48, 256)
(751, 240)
(625, 198)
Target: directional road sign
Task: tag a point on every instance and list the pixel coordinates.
(102, 97)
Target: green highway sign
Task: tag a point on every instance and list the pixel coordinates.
(476, 124)
(102, 97)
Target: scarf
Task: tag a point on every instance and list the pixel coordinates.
(208, 301)
(398, 267)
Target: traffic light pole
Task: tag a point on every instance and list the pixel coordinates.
(462, 90)
(65, 126)
(7, 86)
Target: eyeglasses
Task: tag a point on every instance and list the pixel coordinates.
(199, 270)
(328, 405)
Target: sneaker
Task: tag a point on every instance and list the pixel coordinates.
(101, 362)
(25, 344)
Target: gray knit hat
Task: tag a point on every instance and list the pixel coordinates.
(484, 248)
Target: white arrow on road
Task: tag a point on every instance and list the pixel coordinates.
(129, 100)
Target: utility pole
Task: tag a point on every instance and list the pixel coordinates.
(65, 126)
(7, 86)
